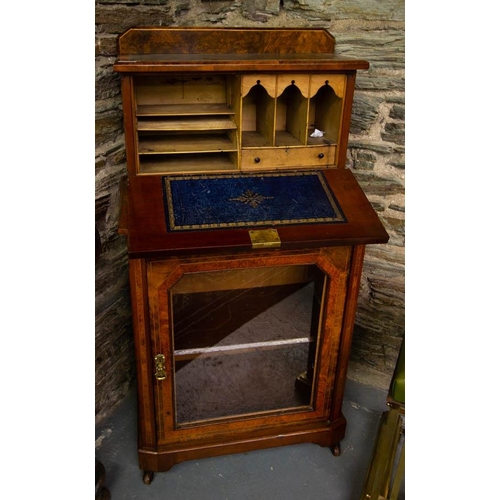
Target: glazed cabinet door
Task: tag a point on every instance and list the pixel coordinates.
(244, 345)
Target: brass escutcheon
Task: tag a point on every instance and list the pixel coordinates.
(160, 372)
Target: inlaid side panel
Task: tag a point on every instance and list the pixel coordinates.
(142, 341)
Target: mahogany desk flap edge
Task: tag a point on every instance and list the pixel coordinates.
(143, 221)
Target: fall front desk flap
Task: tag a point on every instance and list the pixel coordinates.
(168, 214)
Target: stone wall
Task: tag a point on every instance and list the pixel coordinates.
(366, 29)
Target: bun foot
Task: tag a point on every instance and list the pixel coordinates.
(336, 450)
(147, 477)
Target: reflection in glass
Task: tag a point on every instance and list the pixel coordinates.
(245, 341)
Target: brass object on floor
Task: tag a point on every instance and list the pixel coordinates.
(387, 464)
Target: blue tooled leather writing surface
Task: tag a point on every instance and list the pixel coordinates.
(197, 202)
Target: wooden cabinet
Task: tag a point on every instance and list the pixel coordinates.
(246, 237)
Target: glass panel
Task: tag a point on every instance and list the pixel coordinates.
(245, 341)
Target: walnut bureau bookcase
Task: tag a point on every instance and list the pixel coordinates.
(246, 237)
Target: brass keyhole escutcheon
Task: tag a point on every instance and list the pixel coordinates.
(160, 372)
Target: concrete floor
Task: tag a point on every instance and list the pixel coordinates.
(304, 471)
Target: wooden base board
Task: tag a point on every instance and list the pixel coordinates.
(328, 434)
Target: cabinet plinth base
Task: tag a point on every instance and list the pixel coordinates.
(328, 435)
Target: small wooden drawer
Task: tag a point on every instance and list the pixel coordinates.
(288, 157)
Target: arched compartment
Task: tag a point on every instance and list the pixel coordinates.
(291, 117)
(325, 115)
(258, 115)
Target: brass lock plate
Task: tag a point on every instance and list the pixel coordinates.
(264, 238)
